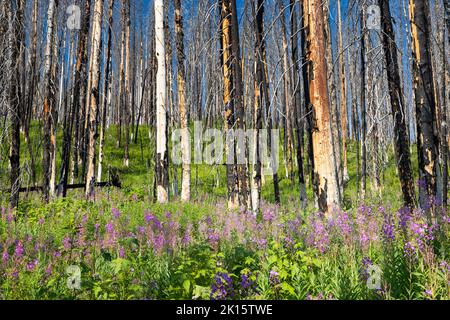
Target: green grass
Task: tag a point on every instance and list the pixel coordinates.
(208, 182)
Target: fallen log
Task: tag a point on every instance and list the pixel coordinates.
(113, 183)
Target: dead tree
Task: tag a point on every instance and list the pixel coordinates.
(93, 91)
(325, 184)
(49, 142)
(427, 142)
(401, 141)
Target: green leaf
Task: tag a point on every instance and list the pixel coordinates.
(187, 286)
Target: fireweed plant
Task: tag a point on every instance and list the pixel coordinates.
(131, 251)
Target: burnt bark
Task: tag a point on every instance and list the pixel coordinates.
(401, 141)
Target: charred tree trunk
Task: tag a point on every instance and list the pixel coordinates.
(401, 142)
(343, 97)
(78, 93)
(308, 106)
(184, 121)
(297, 103)
(49, 143)
(427, 142)
(229, 103)
(15, 99)
(257, 112)
(241, 151)
(28, 112)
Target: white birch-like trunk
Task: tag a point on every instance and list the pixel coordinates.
(161, 111)
(93, 93)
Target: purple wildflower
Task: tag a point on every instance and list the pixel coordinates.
(122, 252)
(268, 215)
(32, 265)
(388, 229)
(5, 256)
(222, 287)
(18, 252)
(274, 277)
(116, 213)
(410, 250)
(67, 243)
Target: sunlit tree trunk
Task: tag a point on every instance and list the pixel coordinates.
(106, 93)
(127, 84)
(93, 91)
(325, 184)
(162, 163)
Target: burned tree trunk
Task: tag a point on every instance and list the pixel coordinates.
(33, 73)
(237, 95)
(93, 91)
(15, 99)
(397, 99)
(74, 121)
(228, 101)
(308, 106)
(49, 143)
(325, 184)
(363, 103)
(181, 86)
(297, 103)
(257, 112)
(427, 142)
(343, 97)
(106, 92)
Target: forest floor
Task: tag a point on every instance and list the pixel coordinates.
(124, 246)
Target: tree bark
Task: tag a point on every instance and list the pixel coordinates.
(427, 143)
(297, 104)
(126, 105)
(106, 92)
(308, 106)
(363, 102)
(228, 101)
(325, 184)
(184, 123)
(401, 141)
(162, 163)
(15, 99)
(343, 97)
(78, 100)
(49, 143)
(93, 91)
